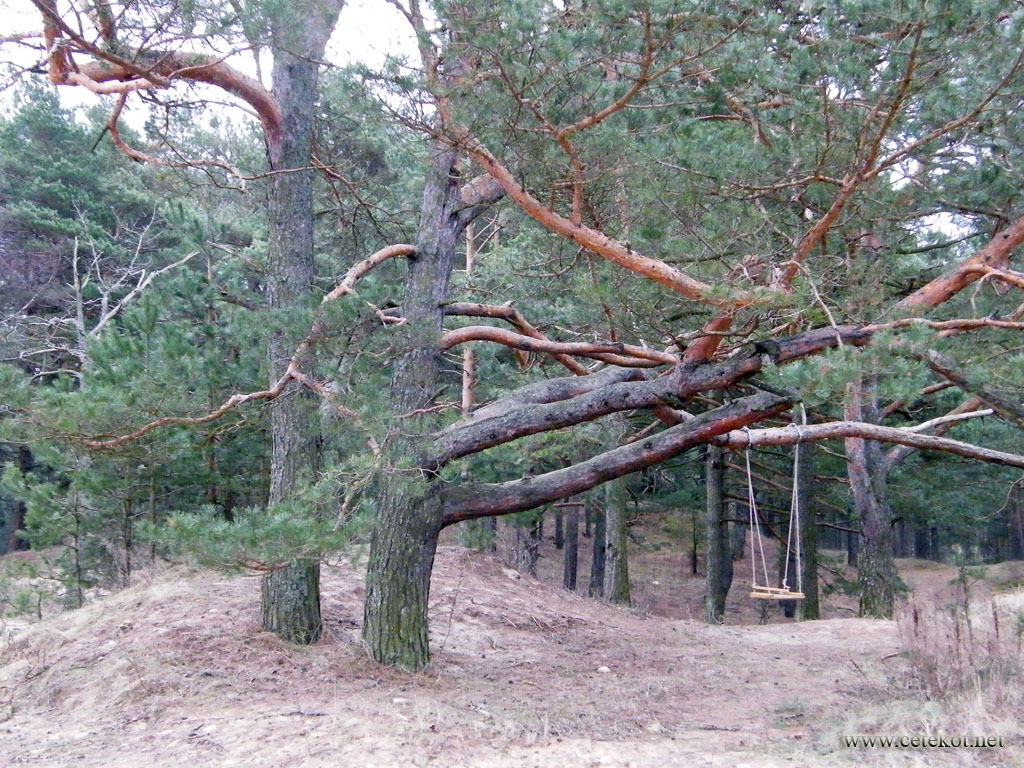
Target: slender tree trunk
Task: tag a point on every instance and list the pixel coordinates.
(1016, 525)
(596, 586)
(901, 538)
(718, 570)
(290, 597)
(16, 511)
(528, 540)
(921, 541)
(616, 563)
(867, 470)
(809, 608)
(737, 533)
(473, 534)
(570, 552)
(694, 564)
(559, 528)
(408, 514)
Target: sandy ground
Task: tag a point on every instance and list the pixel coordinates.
(174, 672)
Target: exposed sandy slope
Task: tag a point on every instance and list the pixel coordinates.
(173, 672)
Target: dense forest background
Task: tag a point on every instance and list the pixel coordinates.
(562, 260)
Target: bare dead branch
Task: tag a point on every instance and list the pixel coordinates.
(144, 281)
(790, 435)
(292, 372)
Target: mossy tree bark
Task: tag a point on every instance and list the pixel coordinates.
(290, 597)
(616, 559)
(409, 513)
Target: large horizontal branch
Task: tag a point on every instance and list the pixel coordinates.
(790, 435)
(900, 453)
(109, 72)
(550, 391)
(469, 501)
(501, 426)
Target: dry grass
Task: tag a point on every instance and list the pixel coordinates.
(963, 650)
(175, 671)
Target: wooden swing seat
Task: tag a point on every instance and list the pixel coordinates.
(775, 593)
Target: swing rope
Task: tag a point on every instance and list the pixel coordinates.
(793, 543)
(757, 544)
(793, 535)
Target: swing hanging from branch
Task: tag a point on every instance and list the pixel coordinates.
(762, 591)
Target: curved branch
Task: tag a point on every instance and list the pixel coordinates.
(995, 254)
(511, 315)
(630, 355)
(599, 243)
(198, 68)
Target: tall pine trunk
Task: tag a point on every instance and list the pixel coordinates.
(290, 597)
(570, 562)
(596, 586)
(867, 470)
(809, 608)
(616, 559)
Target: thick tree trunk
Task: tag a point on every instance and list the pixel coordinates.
(718, 571)
(398, 578)
(616, 560)
(409, 515)
(867, 470)
(290, 598)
